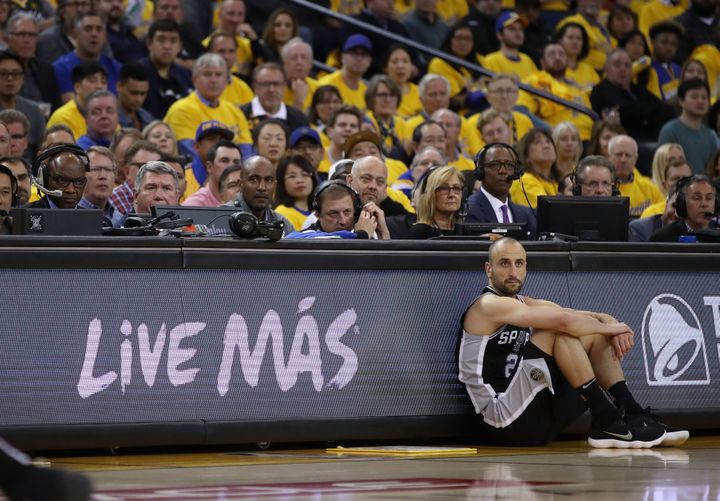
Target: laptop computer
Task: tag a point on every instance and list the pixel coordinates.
(29, 221)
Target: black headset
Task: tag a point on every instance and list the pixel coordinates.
(246, 225)
(13, 183)
(480, 160)
(680, 198)
(39, 164)
(357, 203)
(422, 182)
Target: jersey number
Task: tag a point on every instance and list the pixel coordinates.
(510, 363)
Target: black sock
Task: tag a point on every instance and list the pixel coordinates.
(601, 408)
(621, 393)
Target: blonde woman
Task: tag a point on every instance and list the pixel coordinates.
(566, 137)
(438, 200)
(664, 155)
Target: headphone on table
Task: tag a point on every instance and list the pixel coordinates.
(39, 166)
(357, 203)
(246, 225)
(480, 161)
(13, 183)
(681, 200)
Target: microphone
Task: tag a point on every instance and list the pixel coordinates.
(42, 189)
(3, 213)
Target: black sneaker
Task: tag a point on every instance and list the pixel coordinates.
(45, 484)
(625, 434)
(674, 437)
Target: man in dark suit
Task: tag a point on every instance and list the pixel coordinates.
(496, 167)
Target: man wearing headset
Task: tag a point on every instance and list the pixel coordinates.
(594, 176)
(696, 204)
(496, 167)
(340, 214)
(63, 173)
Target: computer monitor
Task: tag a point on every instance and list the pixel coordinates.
(600, 219)
(32, 221)
(518, 231)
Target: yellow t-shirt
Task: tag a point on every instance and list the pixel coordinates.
(395, 169)
(356, 97)
(237, 92)
(584, 76)
(600, 40)
(400, 129)
(452, 11)
(296, 218)
(709, 55)
(656, 11)
(462, 163)
(555, 113)
(186, 114)
(535, 186)
(69, 114)
(653, 210)
(289, 97)
(410, 103)
(347, 7)
(498, 62)
(399, 197)
(459, 78)
(191, 183)
(642, 192)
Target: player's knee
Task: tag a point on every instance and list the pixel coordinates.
(545, 340)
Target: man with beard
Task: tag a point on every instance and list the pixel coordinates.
(257, 191)
(532, 367)
(553, 81)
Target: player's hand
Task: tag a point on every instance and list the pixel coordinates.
(622, 344)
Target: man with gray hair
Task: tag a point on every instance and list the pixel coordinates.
(456, 151)
(156, 183)
(427, 158)
(101, 117)
(210, 77)
(297, 60)
(623, 153)
(435, 95)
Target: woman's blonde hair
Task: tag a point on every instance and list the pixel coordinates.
(149, 128)
(427, 185)
(563, 127)
(661, 159)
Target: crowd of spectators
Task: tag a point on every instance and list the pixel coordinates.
(218, 102)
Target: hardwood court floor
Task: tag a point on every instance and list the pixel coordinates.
(560, 471)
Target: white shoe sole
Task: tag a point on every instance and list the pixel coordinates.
(613, 443)
(675, 438)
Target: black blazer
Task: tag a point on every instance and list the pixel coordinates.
(479, 210)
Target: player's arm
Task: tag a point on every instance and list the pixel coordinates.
(601, 317)
(496, 311)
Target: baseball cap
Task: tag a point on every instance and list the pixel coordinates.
(213, 127)
(360, 137)
(304, 133)
(508, 18)
(355, 41)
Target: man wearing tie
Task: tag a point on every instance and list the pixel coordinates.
(497, 167)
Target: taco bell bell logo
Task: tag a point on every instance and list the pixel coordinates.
(673, 343)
